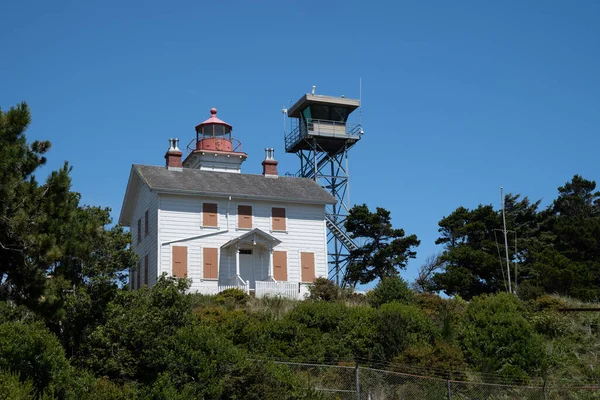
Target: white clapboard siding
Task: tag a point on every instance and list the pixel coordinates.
(146, 200)
(181, 225)
(274, 289)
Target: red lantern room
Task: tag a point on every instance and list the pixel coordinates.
(214, 148)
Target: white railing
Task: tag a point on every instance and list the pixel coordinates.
(273, 289)
(215, 289)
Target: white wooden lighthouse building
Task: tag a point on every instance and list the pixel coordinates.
(204, 219)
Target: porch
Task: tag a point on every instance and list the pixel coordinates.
(289, 290)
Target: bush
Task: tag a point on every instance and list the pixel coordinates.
(495, 335)
(35, 353)
(324, 289)
(389, 290)
(399, 326)
(11, 387)
(232, 296)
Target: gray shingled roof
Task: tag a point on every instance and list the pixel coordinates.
(193, 181)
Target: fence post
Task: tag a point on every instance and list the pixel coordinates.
(357, 381)
(544, 389)
(449, 390)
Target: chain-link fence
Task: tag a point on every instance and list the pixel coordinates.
(354, 382)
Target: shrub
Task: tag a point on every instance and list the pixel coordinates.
(389, 290)
(11, 387)
(399, 326)
(233, 296)
(495, 335)
(324, 289)
(35, 353)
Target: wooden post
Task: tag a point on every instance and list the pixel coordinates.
(357, 381)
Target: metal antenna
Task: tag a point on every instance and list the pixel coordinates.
(360, 102)
(505, 239)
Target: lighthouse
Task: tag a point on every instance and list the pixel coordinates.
(213, 148)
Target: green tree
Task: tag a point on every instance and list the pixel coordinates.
(472, 260)
(385, 251)
(390, 289)
(567, 258)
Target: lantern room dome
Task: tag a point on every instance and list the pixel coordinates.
(214, 122)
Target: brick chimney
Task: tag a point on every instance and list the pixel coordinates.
(270, 164)
(173, 155)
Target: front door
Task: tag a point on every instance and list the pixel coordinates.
(247, 266)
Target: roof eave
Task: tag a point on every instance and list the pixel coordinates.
(126, 209)
(242, 196)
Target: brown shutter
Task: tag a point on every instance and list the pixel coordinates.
(179, 261)
(146, 269)
(146, 224)
(244, 216)
(280, 265)
(278, 216)
(211, 263)
(308, 267)
(209, 214)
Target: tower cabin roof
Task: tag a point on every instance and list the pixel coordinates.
(308, 99)
(196, 182)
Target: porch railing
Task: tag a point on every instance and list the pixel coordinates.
(215, 289)
(289, 290)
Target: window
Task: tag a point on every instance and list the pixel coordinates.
(139, 231)
(280, 266)
(146, 224)
(245, 217)
(209, 214)
(307, 261)
(245, 251)
(132, 278)
(179, 261)
(139, 275)
(146, 268)
(211, 263)
(278, 219)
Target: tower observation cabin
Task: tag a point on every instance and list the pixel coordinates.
(321, 136)
(323, 119)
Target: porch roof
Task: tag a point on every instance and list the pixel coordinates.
(254, 236)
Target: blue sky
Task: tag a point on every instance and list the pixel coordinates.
(459, 98)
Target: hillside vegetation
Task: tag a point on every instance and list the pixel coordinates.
(71, 329)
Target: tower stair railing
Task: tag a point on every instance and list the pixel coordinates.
(340, 235)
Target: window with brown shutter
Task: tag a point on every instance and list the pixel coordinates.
(146, 269)
(245, 217)
(180, 260)
(209, 214)
(280, 266)
(146, 224)
(139, 275)
(307, 261)
(139, 230)
(211, 263)
(278, 218)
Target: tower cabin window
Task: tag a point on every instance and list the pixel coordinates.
(245, 217)
(209, 214)
(278, 219)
